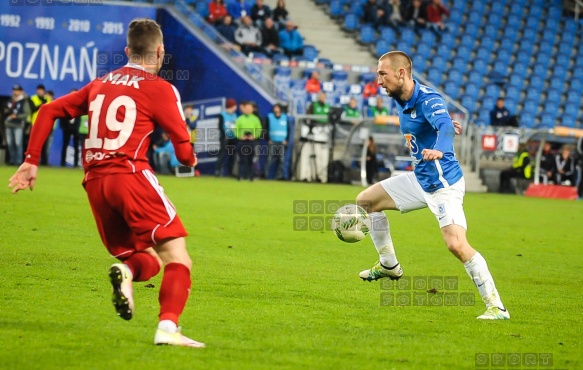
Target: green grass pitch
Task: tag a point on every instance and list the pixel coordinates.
(266, 296)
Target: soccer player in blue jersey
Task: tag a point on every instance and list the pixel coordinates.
(437, 181)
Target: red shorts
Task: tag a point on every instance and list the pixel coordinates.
(132, 212)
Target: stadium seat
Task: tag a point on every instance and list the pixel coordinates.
(468, 40)
(556, 83)
(447, 39)
(326, 63)
(536, 82)
(407, 35)
(572, 109)
(500, 67)
(367, 77)
(474, 18)
(568, 120)
(516, 80)
(434, 75)
(472, 89)
(487, 42)
(455, 75)
(310, 52)
(460, 65)
(387, 34)
(367, 35)
(202, 8)
(279, 59)
(340, 79)
(526, 119)
(483, 53)
(530, 106)
(428, 37)
(512, 91)
(475, 77)
(351, 23)
(480, 64)
(468, 102)
(419, 62)
(381, 47)
(547, 121)
(523, 57)
(336, 9)
(451, 89)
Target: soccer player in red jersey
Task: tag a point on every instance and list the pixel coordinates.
(137, 223)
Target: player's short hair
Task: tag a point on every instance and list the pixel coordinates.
(144, 35)
(399, 59)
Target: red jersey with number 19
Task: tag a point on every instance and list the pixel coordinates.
(123, 107)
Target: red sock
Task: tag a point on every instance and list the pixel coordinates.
(174, 291)
(143, 265)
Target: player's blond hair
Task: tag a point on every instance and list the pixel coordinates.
(399, 59)
(144, 36)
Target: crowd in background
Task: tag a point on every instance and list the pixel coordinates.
(415, 13)
(257, 28)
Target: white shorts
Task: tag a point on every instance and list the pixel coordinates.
(446, 203)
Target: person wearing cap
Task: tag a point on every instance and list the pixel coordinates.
(277, 139)
(16, 112)
(227, 139)
(248, 129)
(38, 99)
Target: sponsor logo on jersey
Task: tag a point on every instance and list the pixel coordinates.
(428, 100)
(90, 156)
(439, 111)
(414, 113)
(436, 105)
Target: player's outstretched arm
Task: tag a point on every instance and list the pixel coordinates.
(25, 177)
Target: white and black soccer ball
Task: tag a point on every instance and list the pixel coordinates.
(351, 223)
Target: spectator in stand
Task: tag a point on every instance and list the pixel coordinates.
(277, 128)
(239, 9)
(227, 29)
(351, 109)
(381, 19)
(370, 89)
(313, 84)
(369, 11)
(217, 11)
(227, 139)
(521, 168)
(565, 173)
(260, 12)
(379, 109)
(500, 116)
(415, 15)
(248, 129)
(36, 101)
(290, 40)
(163, 151)
(395, 13)
(248, 36)
(435, 14)
(16, 115)
(280, 14)
(270, 38)
(547, 164)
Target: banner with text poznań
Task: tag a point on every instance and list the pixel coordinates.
(62, 44)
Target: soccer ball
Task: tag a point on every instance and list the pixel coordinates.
(351, 223)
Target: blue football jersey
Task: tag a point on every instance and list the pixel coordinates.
(426, 124)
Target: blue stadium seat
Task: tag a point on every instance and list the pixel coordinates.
(516, 9)
(439, 62)
(325, 62)
(565, 48)
(510, 105)
(279, 58)
(507, 44)
(530, 106)
(468, 40)
(553, 95)
(576, 83)
(500, 67)
(447, 39)
(547, 121)
(572, 109)
(469, 102)
(562, 60)
(483, 53)
(533, 94)
(512, 91)
(484, 115)
(487, 42)
(340, 79)
(557, 83)
(526, 119)
(473, 29)
(404, 46)
(523, 57)
(532, 24)
(460, 64)
(282, 72)
(491, 30)
(351, 22)
(472, 89)
(434, 75)
(539, 70)
(381, 47)
(513, 19)
(455, 75)
(463, 52)
(419, 62)
(474, 18)
(475, 77)
(202, 8)
(535, 10)
(310, 52)
(407, 35)
(452, 89)
(387, 33)
(367, 77)
(536, 82)
(356, 8)
(424, 50)
(428, 37)
(336, 9)
(480, 64)
(497, 8)
(367, 35)
(516, 80)
(573, 96)
(492, 90)
(568, 120)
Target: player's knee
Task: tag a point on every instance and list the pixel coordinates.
(364, 200)
(454, 245)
